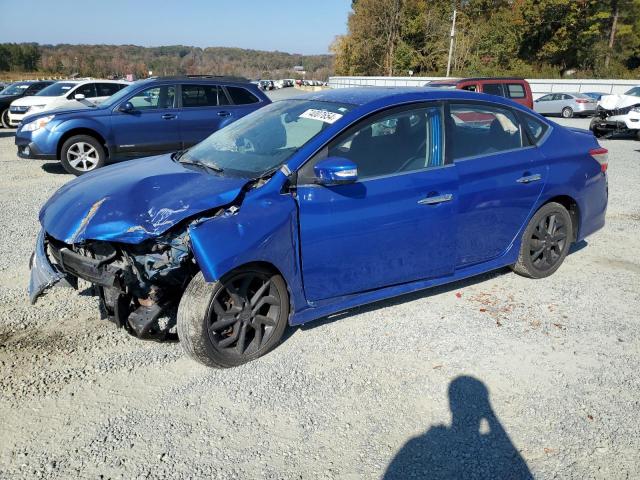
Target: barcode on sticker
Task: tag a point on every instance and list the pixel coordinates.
(322, 115)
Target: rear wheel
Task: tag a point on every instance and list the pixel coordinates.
(235, 320)
(81, 154)
(567, 112)
(545, 242)
(4, 118)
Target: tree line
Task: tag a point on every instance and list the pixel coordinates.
(529, 38)
(120, 60)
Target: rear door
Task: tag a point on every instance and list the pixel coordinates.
(500, 178)
(151, 128)
(396, 224)
(203, 110)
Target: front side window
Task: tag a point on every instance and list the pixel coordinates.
(516, 90)
(242, 96)
(108, 89)
(154, 98)
(263, 140)
(88, 90)
(477, 130)
(493, 89)
(470, 88)
(401, 141)
(203, 96)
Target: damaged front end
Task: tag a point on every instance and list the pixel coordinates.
(616, 114)
(138, 284)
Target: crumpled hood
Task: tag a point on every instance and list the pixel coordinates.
(611, 102)
(133, 201)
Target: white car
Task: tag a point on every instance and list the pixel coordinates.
(617, 114)
(64, 94)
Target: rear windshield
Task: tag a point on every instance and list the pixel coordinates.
(581, 95)
(56, 89)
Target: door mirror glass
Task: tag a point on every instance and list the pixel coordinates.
(126, 107)
(335, 171)
(79, 96)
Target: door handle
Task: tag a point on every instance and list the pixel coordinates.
(224, 114)
(447, 197)
(529, 178)
(168, 116)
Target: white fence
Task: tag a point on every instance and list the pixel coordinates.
(539, 86)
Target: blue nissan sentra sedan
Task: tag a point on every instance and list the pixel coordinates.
(314, 205)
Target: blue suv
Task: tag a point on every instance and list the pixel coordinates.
(149, 117)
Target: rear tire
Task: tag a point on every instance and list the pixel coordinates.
(4, 118)
(545, 242)
(567, 112)
(235, 320)
(81, 154)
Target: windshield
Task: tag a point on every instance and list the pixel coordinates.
(261, 141)
(116, 97)
(56, 89)
(15, 89)
(635, 92)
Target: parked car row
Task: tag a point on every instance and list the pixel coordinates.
(18, 90)
(148, 117)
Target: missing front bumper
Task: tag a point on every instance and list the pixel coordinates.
(43, 273)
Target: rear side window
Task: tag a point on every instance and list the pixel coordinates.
(516, 90)
(108, 89)
(534, 127)
(241, 96)
(493, 89)
(203, 96)
(477, 130)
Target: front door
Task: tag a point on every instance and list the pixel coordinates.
(397, 223)
(151, 128)
(501, 178)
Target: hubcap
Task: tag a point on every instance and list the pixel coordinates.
(547, 242)
(82, 156)
(243, 314)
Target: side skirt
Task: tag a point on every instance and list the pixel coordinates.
(340, 304)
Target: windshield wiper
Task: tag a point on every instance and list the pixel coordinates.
(206, 166)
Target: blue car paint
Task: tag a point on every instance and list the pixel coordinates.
(269, 226)
(139, 133)
(97, 205)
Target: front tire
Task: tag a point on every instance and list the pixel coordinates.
(4, 118)
(567, 112)
(545, 242)
(81, 154)
(235, 320)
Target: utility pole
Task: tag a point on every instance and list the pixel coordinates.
(453, 33)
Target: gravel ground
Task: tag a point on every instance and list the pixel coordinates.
(538, 377)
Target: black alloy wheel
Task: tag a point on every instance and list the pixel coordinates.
(243, 314)
(234, 320)
(545, 242)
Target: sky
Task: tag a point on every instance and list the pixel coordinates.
(294, 26)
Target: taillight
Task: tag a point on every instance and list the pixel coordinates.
(600, 155)
(580, 100)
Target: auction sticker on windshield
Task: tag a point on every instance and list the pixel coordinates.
(322, 115)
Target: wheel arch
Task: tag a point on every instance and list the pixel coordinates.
(572, 207)
(80, 131)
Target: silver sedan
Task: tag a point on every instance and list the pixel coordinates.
(565, 104)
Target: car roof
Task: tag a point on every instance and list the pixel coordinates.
(365, 95)
(212, 79)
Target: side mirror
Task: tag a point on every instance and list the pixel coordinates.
(335, 171)
(126, 107)
(79, 96)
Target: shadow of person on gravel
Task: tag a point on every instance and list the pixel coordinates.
(475, 446)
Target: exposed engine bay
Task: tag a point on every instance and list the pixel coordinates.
(136, 283)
